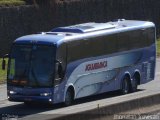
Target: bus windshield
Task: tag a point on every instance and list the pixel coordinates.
(31, 65)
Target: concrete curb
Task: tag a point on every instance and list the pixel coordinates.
(99, 112)
(110, 110)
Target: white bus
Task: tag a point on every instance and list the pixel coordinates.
(72, 62)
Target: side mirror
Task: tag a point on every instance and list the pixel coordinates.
(59, 69)
(4, 62)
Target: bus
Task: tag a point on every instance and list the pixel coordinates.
(81, 60)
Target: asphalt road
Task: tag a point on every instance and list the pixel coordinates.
(13, 108)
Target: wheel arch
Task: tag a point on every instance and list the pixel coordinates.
(137, 74)
(72, 88)
(126, 74)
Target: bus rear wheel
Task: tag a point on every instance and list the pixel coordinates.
(134, 84)
(125, 86)
(69, 97)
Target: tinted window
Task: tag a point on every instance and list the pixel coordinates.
(75, 50)
(142, 38)
(81, 49)
(97, 46)
(31, 65)
(151, 36)
(135, 39)
(123, 42)
(109, 44)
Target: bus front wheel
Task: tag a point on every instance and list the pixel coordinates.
(69, 97)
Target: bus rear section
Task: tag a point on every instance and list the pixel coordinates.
(72, 62)
(117, 61)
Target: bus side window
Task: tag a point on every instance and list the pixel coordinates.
(136, 39)
(80, 49)
(151, 36)
(110, 44)
(74, 51)
(148, 37)
(96, 47)
(123, 41)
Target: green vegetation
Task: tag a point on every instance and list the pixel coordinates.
(3, 73)
(158, 47)
(11, 2)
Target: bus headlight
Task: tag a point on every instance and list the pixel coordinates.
(12, 92)
(45, 94)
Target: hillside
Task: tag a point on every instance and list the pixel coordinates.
(44, 15)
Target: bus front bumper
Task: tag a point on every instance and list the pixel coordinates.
(29, 95)
(18, 98)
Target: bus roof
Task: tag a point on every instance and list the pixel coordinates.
(82, 31)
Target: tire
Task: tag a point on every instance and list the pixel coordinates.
(125, 86)
(68, 98)
(134, 84)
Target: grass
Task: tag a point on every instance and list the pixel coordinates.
(11, 2)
